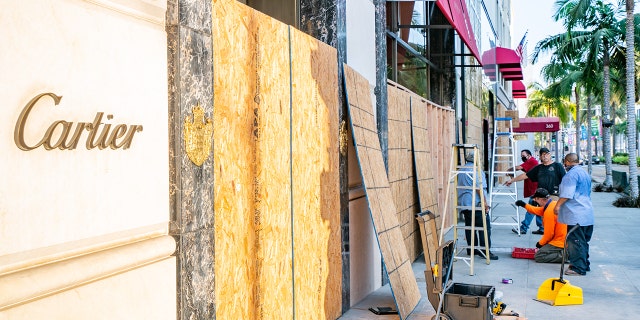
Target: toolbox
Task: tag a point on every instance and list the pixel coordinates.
(523, 253)
(469, 301)
(457, 301)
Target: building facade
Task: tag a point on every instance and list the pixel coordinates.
(116, 174)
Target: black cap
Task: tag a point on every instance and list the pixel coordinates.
(541, 193)
(544, 150)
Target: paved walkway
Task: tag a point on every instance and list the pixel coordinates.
(611, 290)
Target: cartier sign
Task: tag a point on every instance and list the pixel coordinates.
(65, 135)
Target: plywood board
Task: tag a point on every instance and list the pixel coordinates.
(252, 158)
(401, 168)
(420, 134)
(316, 181)
(401, 278)
(234, 154)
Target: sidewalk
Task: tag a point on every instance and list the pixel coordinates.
(611, 290)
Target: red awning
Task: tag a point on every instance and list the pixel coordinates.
(549, 124)
(518, 89)
(456, 13)
(507, 60)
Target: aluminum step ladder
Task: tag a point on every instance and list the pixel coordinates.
(503, 163)
(458, 168)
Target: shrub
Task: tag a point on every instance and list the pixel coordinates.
(620, 159)
(601, 187)
(624, 154)
(626, 202)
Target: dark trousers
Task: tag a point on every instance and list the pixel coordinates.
(479, 241)
(578, 248)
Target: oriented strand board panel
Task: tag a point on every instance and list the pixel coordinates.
(436, 147)
(420, 133)
(401, 168)
(316, 181)
(252, 189)
(401, 278)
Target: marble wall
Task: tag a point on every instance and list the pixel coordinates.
(191, 188)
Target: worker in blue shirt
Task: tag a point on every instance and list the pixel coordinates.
(465, 199)
(575, 208)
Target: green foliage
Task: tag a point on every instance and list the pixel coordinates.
(627, 202)
(602, 188)
(620, 160)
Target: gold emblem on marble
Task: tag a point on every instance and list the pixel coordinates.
(198, 135)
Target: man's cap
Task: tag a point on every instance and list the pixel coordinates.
(544, 150)
(541, 193)
(469, 157)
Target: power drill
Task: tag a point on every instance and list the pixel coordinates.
(498, 307)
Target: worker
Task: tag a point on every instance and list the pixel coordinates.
(528, 163)
(551, 244)
(465, 196)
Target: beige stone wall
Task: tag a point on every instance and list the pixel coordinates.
(74, 205)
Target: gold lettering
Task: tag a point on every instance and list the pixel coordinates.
(102, 139)
(18, 133)
(76, 136)
(92, 132)
(126, 143)
(117, 133)
(120, 137)
(46, 140)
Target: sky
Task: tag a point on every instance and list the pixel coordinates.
(536, 17)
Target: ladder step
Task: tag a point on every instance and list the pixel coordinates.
(469, 228)
(503, 119)
(503, 172)
(467, 207)
(465, 146)
(503, 133)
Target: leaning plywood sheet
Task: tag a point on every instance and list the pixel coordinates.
(381, 206)
(448, 138)
(436, 146)
(420, 132)
(401, 169)
(316, 181)
(252, 190)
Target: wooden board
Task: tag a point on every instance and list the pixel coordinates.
(316, 181)
(252, 160)
(420, 134)
(401, 167)
(276, 188)
(401, 278)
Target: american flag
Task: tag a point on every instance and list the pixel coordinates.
(521, 45)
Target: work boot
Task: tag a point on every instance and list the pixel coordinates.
(522, 230)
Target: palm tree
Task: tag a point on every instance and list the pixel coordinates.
(595, 26)
(631, 98)
(567, 79)
(542, 103)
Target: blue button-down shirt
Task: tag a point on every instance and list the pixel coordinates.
(464, 179)
(576, 187)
